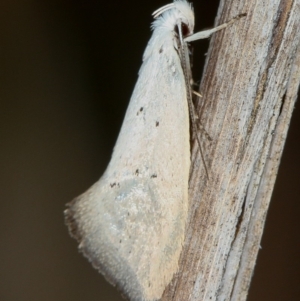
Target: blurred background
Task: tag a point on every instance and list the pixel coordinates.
(67, 70)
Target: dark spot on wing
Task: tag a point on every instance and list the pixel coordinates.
(137, 172)
(154, 176)
(113, 184)
(140, 110)
(157, 123)
(161, 50)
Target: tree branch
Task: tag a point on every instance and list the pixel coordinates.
(249, 86)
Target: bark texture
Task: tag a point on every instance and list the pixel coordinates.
(249, 89)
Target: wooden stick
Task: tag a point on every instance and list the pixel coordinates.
(249, 89)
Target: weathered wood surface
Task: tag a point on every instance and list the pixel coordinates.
(249, 89)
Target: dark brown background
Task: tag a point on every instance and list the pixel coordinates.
(67, 71)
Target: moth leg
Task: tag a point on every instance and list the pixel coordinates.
(203, 131)
(197, 94)
(198, 123)
(207, 33)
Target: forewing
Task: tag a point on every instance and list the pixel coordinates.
(131, 223)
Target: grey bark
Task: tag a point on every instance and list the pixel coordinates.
(249, 89)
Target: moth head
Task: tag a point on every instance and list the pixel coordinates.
(177, 16)
(186, 17)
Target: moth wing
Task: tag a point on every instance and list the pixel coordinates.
(130, 224)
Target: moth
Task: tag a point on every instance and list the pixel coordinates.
(131, 223)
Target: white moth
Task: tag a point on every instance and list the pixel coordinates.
(131, 223)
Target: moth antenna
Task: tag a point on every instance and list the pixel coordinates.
(161, 10)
